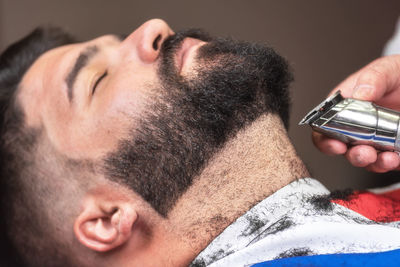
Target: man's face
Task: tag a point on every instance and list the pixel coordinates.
(154, 107)
(85, 95)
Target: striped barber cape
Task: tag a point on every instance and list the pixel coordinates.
(303, 224)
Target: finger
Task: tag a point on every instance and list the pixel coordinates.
(379, 78)
(374, 168)
(328, 145)
(386, 161)
(361, 155)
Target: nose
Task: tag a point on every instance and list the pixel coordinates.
(147, 39)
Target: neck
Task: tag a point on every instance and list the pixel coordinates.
(257, 162)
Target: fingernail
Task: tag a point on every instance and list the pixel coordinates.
(363, 91)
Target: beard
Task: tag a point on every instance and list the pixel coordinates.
(191, 119)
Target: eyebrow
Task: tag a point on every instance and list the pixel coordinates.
(80, 63)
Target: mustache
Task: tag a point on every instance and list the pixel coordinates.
(167, 71)
(174, 42)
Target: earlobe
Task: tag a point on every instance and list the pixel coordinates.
(101, 228)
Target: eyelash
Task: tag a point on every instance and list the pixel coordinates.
(98, 81)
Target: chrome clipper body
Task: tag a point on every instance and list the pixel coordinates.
(356, 122)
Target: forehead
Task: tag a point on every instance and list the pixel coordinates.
(45, 71)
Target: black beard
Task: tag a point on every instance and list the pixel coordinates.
(191, 120)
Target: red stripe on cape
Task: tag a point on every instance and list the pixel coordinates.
(382, 207)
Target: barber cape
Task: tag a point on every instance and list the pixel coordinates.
(303, 224)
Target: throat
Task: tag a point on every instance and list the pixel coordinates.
(257, 162)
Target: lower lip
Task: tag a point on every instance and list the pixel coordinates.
(189, 46)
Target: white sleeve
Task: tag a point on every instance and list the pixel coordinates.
(393, 45)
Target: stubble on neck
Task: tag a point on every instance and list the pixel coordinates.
(254, 164)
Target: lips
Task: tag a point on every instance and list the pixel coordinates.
(185, 55)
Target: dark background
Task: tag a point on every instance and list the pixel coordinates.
(324, 41)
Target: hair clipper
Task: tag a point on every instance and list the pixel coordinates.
(356, 122)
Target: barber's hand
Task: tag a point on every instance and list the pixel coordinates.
(378, 82)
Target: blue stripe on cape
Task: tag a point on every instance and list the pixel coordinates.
(378, 259)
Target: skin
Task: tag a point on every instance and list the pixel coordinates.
(115, 227)
(378, 82)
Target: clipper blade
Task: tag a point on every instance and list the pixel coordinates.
(323, 107)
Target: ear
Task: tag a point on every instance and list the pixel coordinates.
(104, 224)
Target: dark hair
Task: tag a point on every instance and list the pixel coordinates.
(16, 156)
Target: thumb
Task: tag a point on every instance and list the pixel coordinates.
(378, 79)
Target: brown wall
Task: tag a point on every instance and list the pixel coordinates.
(324, 41)
(1, 26)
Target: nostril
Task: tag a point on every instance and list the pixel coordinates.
(156, 41)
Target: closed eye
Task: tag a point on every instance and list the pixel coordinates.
(98, 81)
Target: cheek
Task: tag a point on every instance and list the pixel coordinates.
(109, 118)
(87, 136)
(94, 131)
(128, 93)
